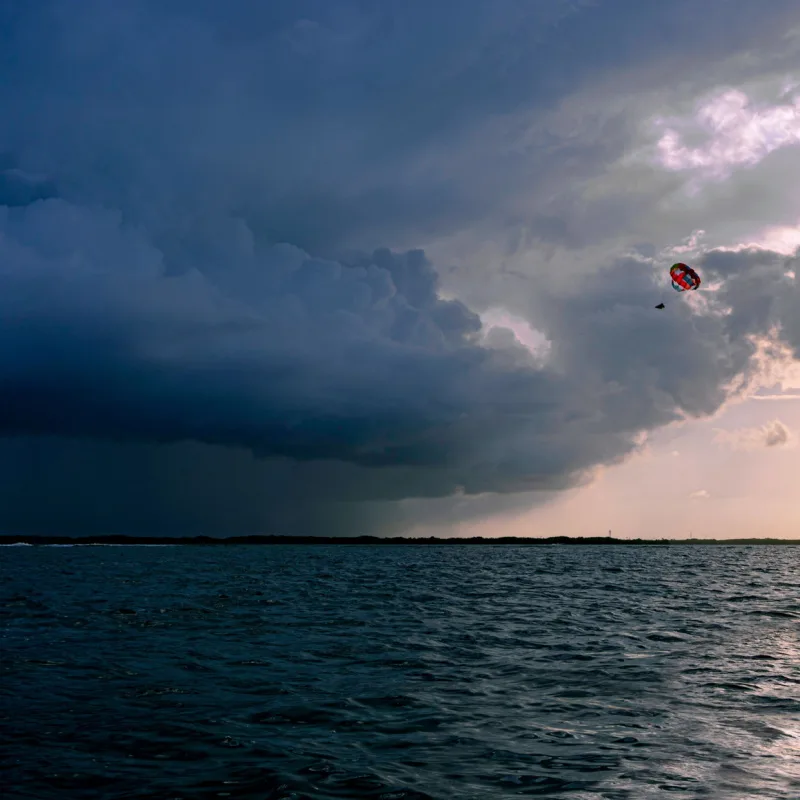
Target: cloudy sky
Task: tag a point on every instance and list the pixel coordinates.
(390, 266)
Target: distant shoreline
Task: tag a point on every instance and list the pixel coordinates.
(376, 540)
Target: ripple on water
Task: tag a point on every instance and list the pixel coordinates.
(405, 673)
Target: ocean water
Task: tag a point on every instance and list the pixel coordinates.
(399, 673)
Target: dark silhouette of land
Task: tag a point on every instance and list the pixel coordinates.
(377, 540)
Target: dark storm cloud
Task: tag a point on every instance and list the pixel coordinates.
(759, 290)
(20, 189)
(334, 124)
(282, 353)
(189, 207)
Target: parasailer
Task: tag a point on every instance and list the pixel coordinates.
(684, 279)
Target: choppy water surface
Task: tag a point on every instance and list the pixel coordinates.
(400, 673)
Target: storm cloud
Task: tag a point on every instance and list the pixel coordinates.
(219, 315)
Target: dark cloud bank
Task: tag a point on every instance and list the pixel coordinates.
(195, 339)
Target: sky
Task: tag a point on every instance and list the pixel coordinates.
(390, 267)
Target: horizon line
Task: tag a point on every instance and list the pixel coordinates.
(275, 539)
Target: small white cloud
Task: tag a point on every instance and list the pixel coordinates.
(773, 434)
(733, 132)
(781, 396)
(691, 244)
(783, 239)
(700, 494)
(499, 319)
(675, 453)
